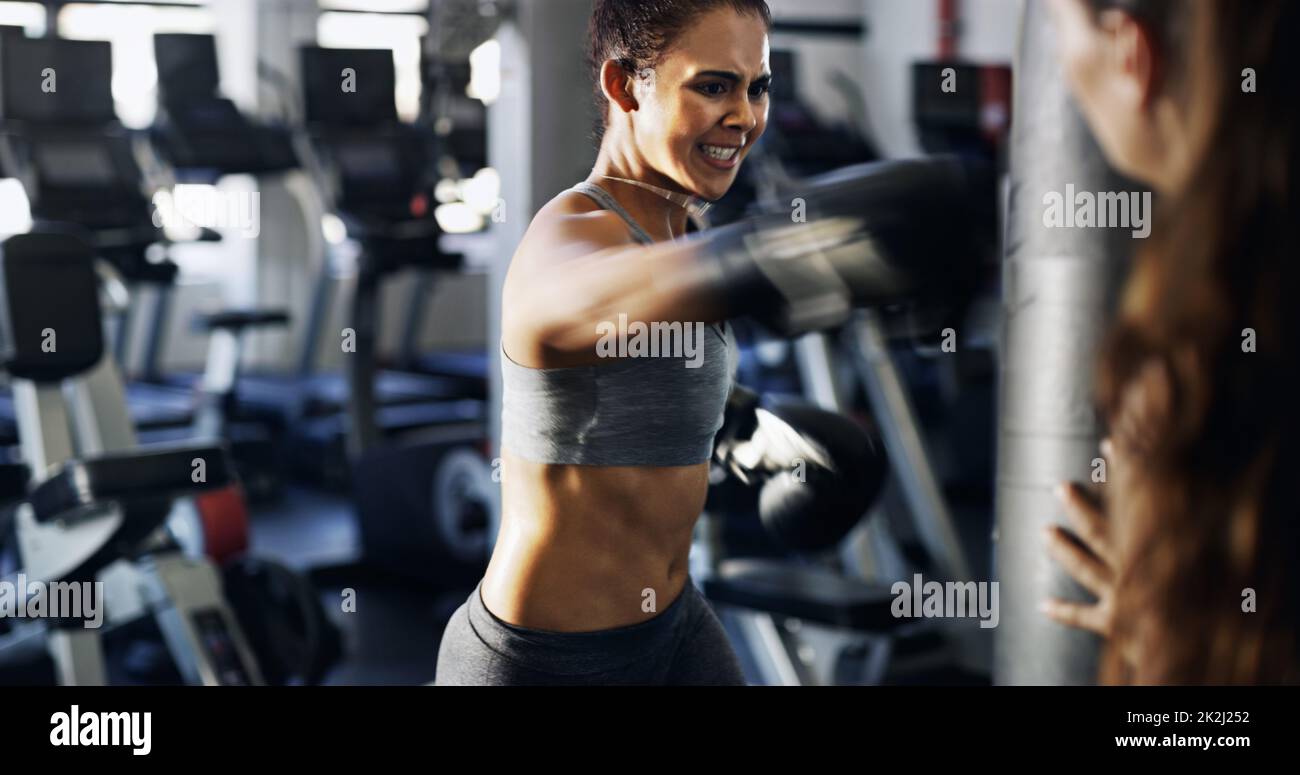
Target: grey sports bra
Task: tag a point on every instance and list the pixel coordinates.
(660, 409)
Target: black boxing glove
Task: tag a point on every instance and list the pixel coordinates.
(872, 235)
(816, 472)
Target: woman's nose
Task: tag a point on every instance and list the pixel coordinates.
(742, 117)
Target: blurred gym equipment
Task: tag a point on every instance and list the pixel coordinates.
(98, 507)
(202, 134)
(81, 171)
(766, 600)
(418, 467)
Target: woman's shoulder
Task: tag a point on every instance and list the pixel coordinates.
(571, 218)
(573, 205)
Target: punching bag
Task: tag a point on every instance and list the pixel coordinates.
(1059, 288)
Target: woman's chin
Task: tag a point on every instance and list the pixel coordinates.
(711, 190)
(711, 183)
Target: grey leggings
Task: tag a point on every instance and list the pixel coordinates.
(683, 645)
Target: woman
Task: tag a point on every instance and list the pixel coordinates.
(1195, 555)
(588, 582)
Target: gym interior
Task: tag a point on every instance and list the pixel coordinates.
(252, 310)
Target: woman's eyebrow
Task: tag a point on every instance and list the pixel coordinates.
(729, 75)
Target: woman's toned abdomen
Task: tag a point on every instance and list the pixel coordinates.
(586, 548)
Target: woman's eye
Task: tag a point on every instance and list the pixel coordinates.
(713, 89)
(759, 90)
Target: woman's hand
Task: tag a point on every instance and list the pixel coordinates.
(1101, 529)
(1087, 553)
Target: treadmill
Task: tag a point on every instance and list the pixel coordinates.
(375, 173)
(201, 133)
(460, 124)
(204, 137)
(77, 165)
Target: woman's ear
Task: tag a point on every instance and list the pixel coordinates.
(1132, 59)
(616, 82)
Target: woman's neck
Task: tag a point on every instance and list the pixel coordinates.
(658, 216)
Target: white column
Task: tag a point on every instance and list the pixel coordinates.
(538, 135)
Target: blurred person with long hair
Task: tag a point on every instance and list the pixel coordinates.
(1193, 550)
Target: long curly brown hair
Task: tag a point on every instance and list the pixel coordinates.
(1213, 519)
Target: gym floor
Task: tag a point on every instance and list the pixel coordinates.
(392, 636)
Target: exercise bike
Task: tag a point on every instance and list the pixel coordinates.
(101, 510)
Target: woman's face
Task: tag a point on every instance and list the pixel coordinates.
(1154, 121)
(1107, 63)
(705, 105)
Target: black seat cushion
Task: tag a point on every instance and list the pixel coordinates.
(50, 326)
